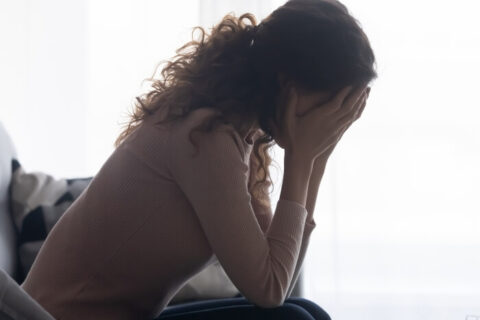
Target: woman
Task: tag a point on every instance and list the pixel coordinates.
(188, 182)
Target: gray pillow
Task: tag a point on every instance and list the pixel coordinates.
(38, 200)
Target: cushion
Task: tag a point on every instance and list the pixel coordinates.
(38, 200)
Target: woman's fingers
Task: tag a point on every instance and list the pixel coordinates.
(351, 101)
(355, 96)
(350, 116)
(336, 103)
(324, 125)
(360, 110)
(362, 107)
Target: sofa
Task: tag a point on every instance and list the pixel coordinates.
(8, 236)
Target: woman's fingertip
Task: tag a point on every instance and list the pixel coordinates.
(344, 93)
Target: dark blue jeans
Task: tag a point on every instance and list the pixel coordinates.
(239, 308)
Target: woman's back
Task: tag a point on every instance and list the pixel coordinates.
(141, 228)
(127, 244)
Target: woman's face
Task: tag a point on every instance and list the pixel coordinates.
(309, 100)
(306, 99)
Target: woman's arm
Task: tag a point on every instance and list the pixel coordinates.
(264, 214)
(264, 211)
(214, 181)
(313, 186)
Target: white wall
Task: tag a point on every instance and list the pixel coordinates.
(43, 88)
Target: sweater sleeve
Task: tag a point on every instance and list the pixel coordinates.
(264, 216)
(309, 227)
(263, 212)
(214, 180)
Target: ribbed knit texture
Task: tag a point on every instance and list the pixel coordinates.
(155, 215)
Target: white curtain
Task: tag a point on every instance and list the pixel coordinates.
(398, 216)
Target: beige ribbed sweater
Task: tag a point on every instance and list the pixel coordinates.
(154, 216)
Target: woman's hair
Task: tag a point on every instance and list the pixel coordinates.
(316, 44)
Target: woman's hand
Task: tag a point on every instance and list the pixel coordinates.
(316, 132)
(324, 156)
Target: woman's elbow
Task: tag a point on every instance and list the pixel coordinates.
(269, 301)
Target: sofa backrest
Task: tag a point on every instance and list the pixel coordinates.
(8, 255)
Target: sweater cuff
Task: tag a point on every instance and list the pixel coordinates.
(310, 224)
(309, 227)
(291, 203)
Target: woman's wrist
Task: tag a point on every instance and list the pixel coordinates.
(298, 160)
(296, 175)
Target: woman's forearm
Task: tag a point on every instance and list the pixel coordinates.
(297, 171)
(315, 179)
(313, 185)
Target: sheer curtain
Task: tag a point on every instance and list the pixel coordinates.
(398, 215)
(398, 210)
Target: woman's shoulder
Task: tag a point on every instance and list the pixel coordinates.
(221, 133)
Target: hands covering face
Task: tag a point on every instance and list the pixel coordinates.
(311, 124)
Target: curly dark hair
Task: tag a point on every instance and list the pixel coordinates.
(317, 44)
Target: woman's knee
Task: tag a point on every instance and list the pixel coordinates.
(238, 309)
